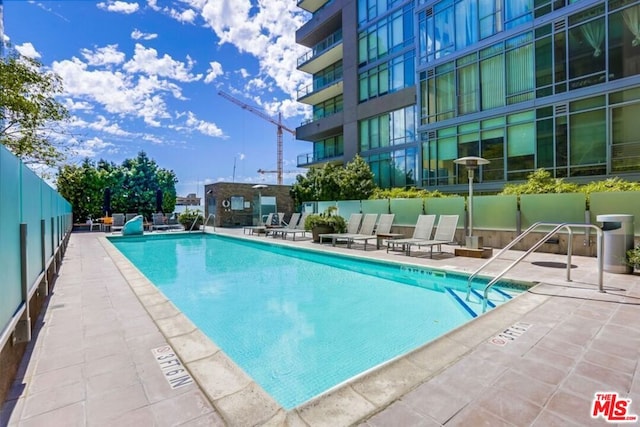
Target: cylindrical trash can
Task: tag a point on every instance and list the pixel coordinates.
(618, 239)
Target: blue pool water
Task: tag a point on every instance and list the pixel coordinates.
(299, 322)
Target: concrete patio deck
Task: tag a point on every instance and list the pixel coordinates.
(90, 362)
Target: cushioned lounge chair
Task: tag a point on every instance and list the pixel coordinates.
(383, 227)
(421, 232)
(445, 231)
(299, 229)
(366, 229)
(353, 225)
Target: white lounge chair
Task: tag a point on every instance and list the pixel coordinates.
(258, 228)
(353, 225)
(299, 229)
(293, 222)
(158, 222)
(421, 232)
(384, 227)
(118, 222)
(445, 231)
(366, 229)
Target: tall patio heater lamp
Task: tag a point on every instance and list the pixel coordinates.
(472, 164)
(259, 187)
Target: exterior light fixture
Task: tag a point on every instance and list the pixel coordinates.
(472, 163)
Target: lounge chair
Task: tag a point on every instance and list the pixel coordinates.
(383, 227)
(258, 228)
(118, 222)
(293, 222)
(299, 229)
(129, 217)
(445, 232)
(366, 229)
(422, 232)
(158, 222)
(353, 225)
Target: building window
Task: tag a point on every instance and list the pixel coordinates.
(237, 203)
(396, 168)
(587, 47)
(328, 148)
(386, 36)
(328, 107)
(327, 76)
(389, 129)
(392, 76)
(453, 25)
(624, 43)
(625, 150)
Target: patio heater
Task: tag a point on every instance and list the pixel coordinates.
(259, 187)
(472, 163)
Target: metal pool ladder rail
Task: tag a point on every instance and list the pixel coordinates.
(556, 228)
(204, 225)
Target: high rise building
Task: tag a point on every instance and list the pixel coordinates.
(526, 84)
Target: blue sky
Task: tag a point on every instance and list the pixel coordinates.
(145, 75)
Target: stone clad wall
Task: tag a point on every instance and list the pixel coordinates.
(225, 217)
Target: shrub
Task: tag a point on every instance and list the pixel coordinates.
(328, 217)
(188, 217)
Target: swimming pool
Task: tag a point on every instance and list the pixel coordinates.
(299, 322)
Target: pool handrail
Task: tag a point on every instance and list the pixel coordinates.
(557, 227)
(204, 225)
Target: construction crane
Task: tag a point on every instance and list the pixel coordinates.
(262, 171)
(278, 123)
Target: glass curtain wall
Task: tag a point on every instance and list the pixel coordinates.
(568, 140)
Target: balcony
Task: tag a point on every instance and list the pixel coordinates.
(320, 91)
(312, 5)
(323, 54)
(330, 154)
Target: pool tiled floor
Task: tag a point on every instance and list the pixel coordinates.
(90, 362)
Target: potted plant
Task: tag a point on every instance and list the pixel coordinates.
(633, 257)
(324, 223)
(188, 217)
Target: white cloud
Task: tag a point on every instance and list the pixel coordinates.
(241, 156)
(186, 16)
(107, 55)
(102, 124)
(214, 71)
(206, 128)
(119, 7)
(147, 61)
(243, 72)
(72, 105)
(265, 30)
(91, 148)
(27, 49)
(139, 35)
(117, 92)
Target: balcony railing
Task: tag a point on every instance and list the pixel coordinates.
(310, 158)
(321, 47)
(320, 84)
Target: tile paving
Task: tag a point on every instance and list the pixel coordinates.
(90, 362)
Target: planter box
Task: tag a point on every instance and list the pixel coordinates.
(320, 229)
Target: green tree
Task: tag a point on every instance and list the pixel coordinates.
(133, 187)
(29, 113)
(82, 187)
(332, 182)
(356, 180)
